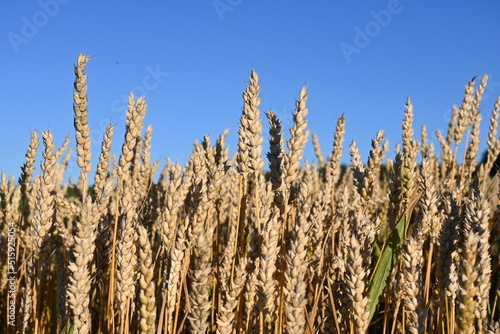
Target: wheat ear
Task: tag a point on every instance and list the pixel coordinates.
(297, 267)
(147, 309)
(80, 281)
(81, 122)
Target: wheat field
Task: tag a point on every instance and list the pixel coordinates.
(243, 244)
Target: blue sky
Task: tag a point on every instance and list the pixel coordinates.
(192, 60)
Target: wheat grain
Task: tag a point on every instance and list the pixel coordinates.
(463, 119)
(297, 267)
(410, 151)
(493, 143)
(412, 256)
(147, 307)
(275, 156)
(298, 138)
(172, 290)
(250, 128)
(317, 151)
(79, 281)
(355, 279)
(82, 128)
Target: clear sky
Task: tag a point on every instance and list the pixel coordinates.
(192, 60)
